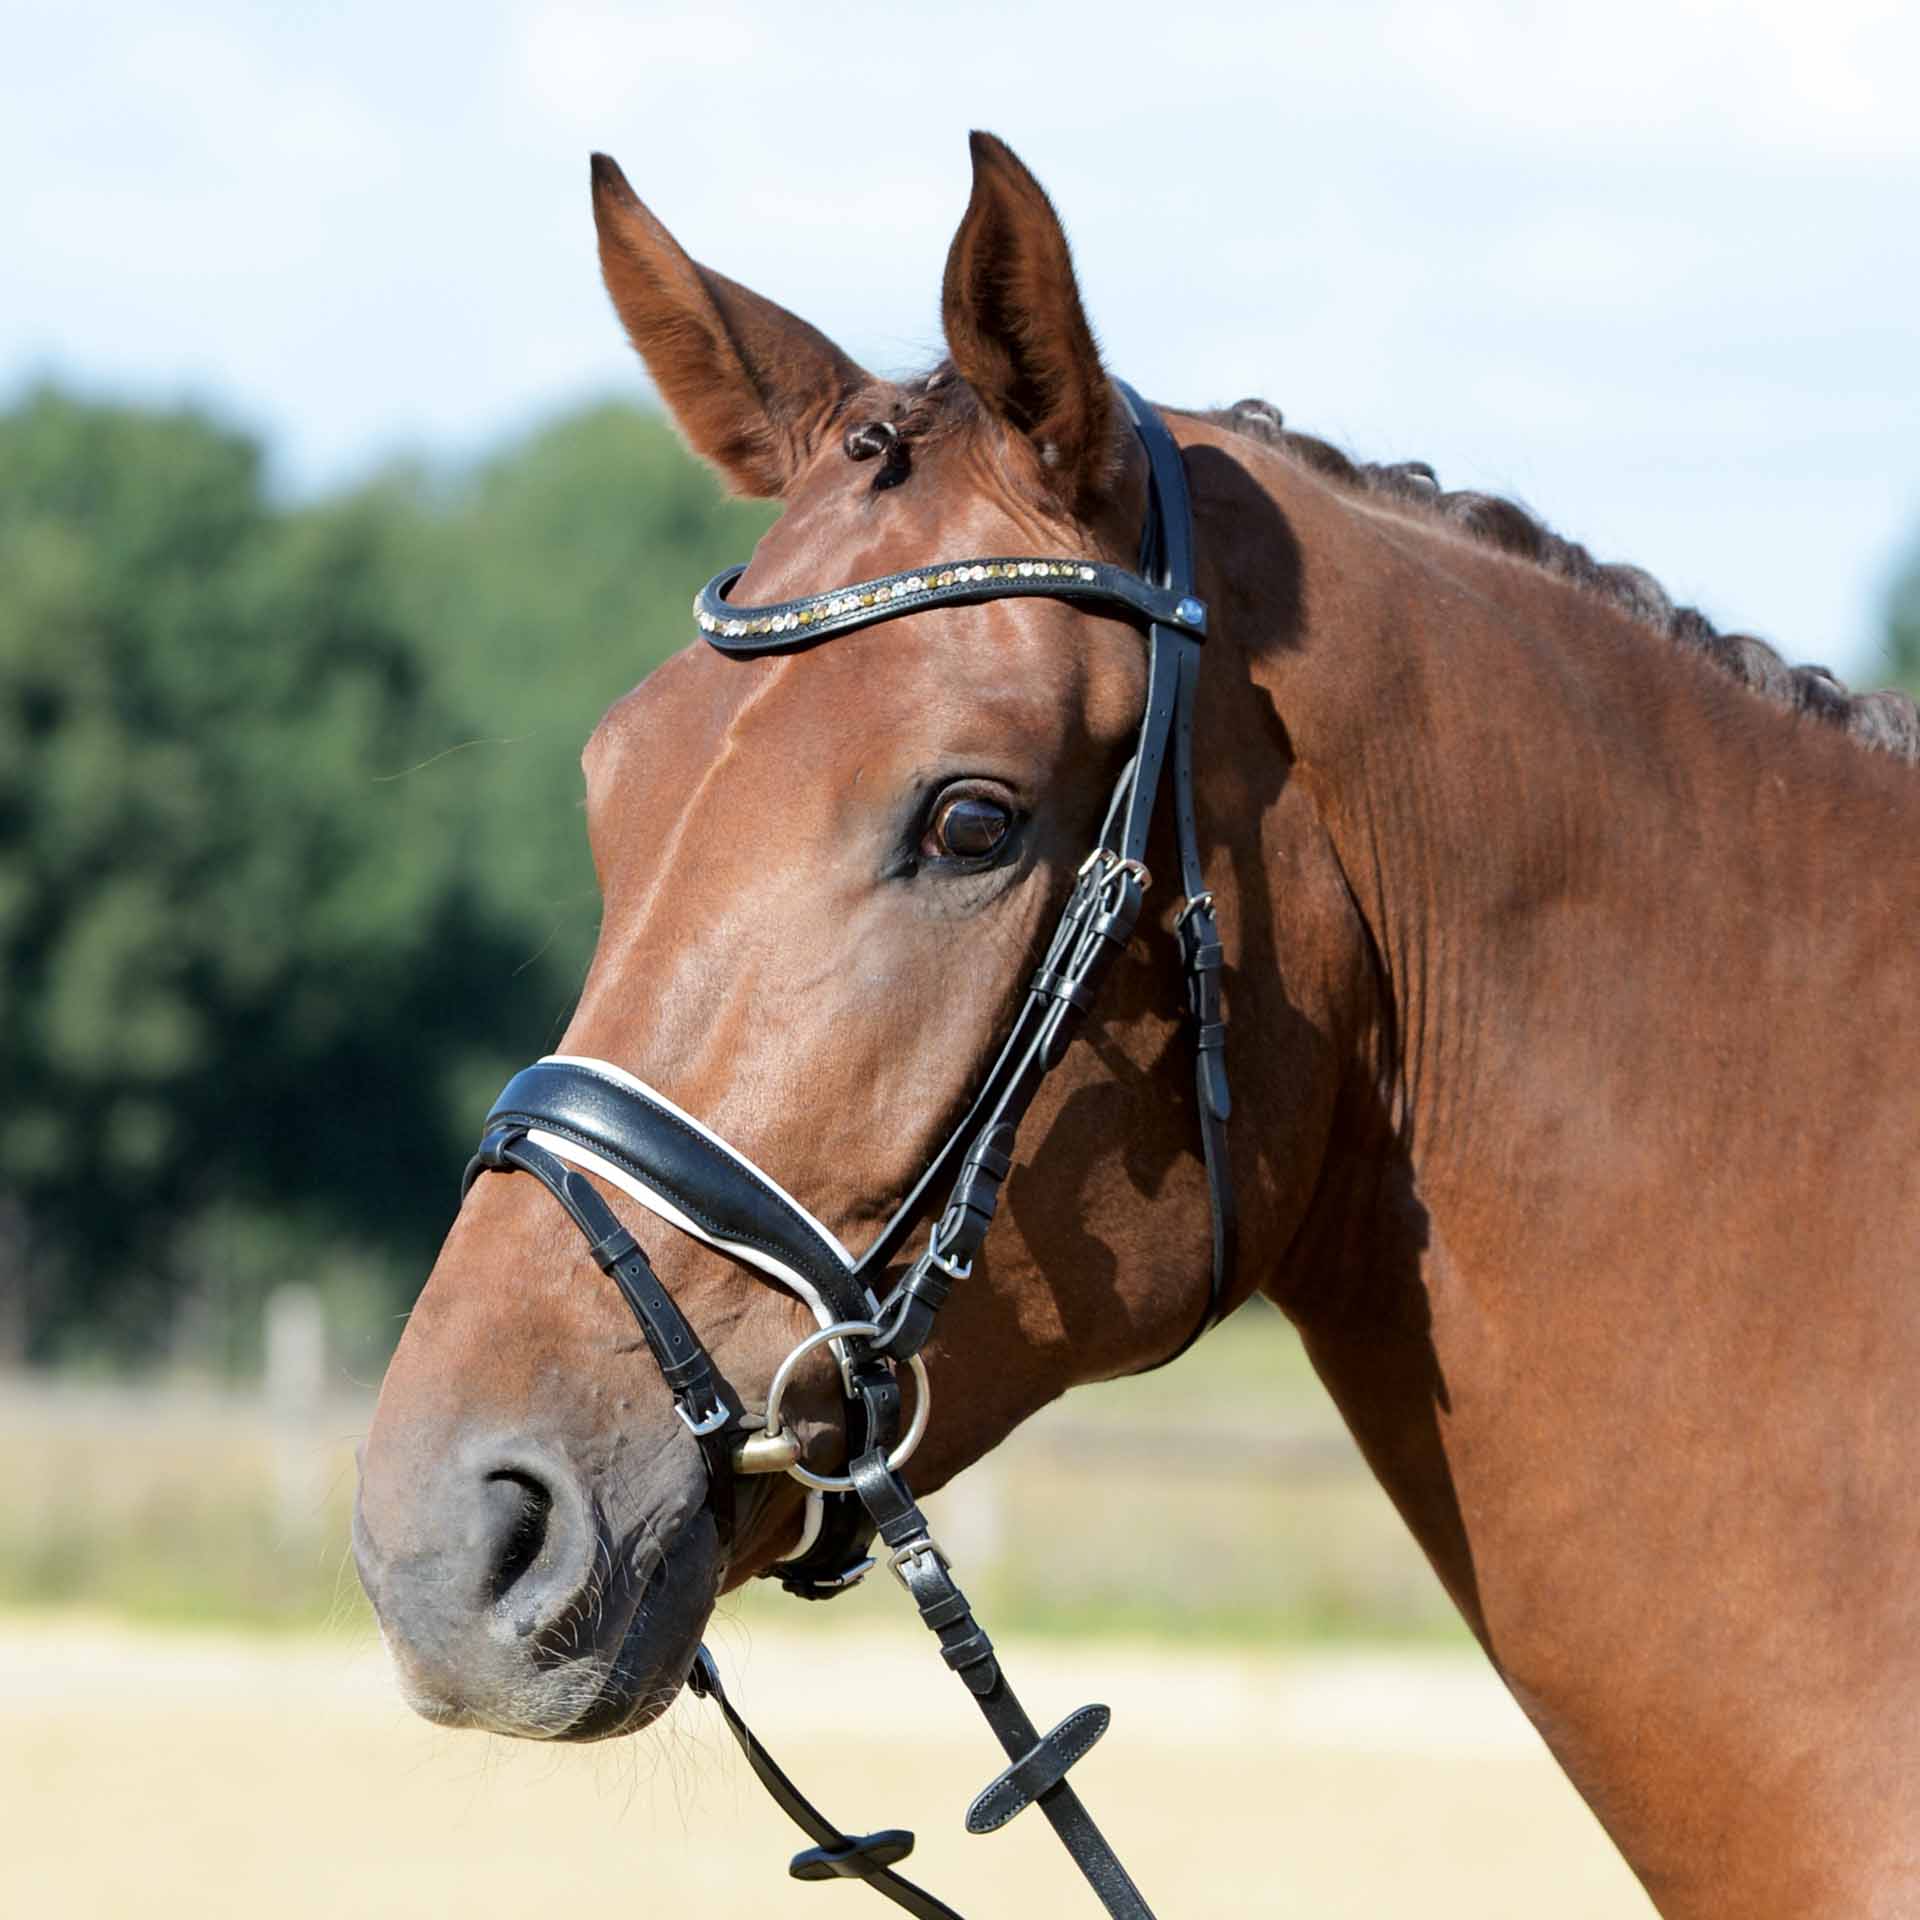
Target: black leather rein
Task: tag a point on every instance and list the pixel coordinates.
(564, 1118)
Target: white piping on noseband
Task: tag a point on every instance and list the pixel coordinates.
(590, 1162)
(658, 1204)
(814, 1515)
(655, 1203)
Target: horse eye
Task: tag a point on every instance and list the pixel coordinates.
(966, 827)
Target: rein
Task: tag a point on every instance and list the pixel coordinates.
(565, 1117)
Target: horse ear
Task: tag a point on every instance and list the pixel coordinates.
(1018, 334)
(751, 386)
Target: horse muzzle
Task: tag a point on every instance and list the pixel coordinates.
(520, 1594)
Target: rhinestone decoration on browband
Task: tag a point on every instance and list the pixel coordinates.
(819, 616)
(803, 613)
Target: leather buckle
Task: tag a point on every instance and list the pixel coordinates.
(1200, 903)
(713, 1422)
(946, 1263)
(922, 1547)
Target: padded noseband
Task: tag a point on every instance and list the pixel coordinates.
(589, 1111)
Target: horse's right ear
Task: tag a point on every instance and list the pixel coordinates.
(1018, 335)
(751, 387)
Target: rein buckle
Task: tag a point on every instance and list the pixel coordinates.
(922, 1547)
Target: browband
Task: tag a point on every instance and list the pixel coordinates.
(784, 625)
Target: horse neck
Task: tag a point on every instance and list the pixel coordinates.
(1582, 856)
(1628, 1077)
(1576, 854)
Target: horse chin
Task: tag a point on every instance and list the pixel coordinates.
(650, 1664)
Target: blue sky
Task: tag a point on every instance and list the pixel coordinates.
(1652, 267)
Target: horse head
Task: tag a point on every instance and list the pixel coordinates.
(828, 873)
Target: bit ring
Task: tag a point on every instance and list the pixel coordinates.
(783, 1375)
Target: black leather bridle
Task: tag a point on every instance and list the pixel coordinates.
(565, 1117)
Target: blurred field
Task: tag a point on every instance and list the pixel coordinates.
(145, 1773)
(1219, 1498)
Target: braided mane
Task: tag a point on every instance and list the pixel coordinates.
(1887, 719)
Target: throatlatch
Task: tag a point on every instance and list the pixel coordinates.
(565, 1117)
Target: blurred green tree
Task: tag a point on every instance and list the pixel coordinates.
(544, 586)
(291, 863)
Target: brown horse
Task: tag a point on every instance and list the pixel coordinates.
(1572, 993)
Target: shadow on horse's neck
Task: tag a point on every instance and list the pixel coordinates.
(1333, 1178)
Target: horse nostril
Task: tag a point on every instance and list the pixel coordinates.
(519, 1508)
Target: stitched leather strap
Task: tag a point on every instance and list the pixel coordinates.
(834, 1855)
(1094, 929)
(784, 626)
(676, 1349)
(922, 1569)
(1095, 925)
(1042, 1768)
(1167, 555)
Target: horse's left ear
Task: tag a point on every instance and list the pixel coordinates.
(752, 386)
(1018, 334)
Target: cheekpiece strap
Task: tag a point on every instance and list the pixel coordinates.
(786, 625)
(704, 1409)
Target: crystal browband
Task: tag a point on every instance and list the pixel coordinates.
(787, 624)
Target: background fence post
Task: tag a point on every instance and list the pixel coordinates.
(294, 1341)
